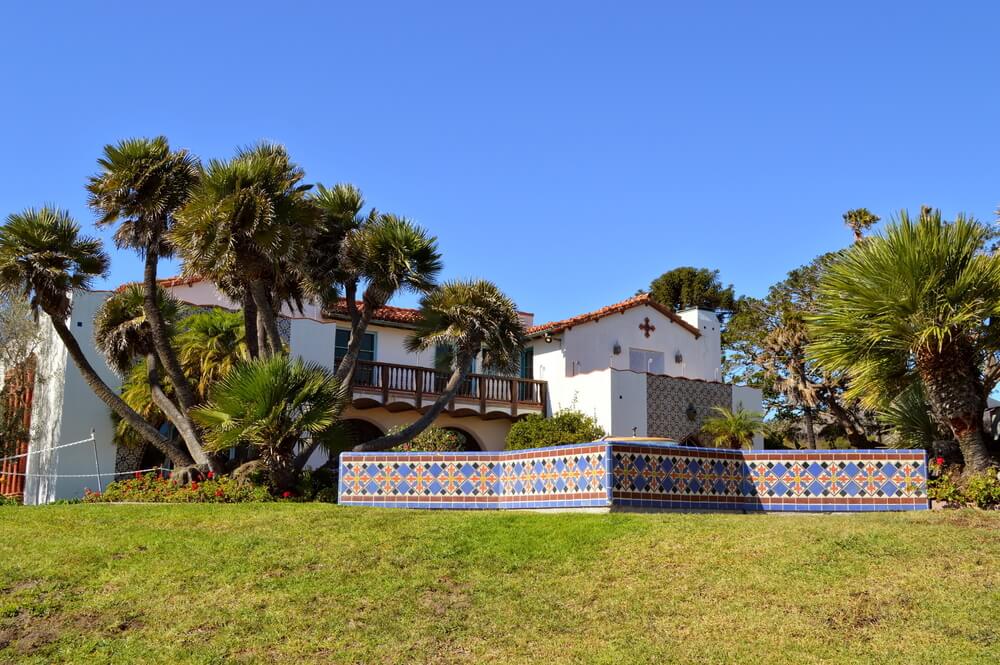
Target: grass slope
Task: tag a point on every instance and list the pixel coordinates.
(318, 583)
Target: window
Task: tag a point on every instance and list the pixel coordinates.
(340, 346)
(640, 360)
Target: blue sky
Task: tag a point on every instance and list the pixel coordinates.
(569, 151)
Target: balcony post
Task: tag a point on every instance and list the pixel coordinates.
(513, 397)
(481, 386)
(385, 385)
(418, 376)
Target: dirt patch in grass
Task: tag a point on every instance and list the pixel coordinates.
(27, 633)
(446, 597)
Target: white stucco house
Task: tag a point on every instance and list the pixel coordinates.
(637, 367)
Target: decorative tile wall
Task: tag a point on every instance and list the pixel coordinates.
(668, 399)
(639, 475)
(561, 477)
(675, 477)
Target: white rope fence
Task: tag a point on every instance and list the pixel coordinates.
(45, 450)
(97, 474)
(83, 475)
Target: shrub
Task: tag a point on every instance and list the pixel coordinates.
(981, 490)
(9, 501)
(432, 440)
(154, 488)
(565, 427)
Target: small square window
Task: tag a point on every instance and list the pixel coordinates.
(79, 324)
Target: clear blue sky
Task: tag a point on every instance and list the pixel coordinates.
(568, 151)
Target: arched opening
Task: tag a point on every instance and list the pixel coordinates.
(469, 442)
(357, 431)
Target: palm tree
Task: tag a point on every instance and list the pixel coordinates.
(467, 317)
(124, 335)
(247, 223)
(912, 303)
(141, 184)
(733, 429)
(209, 345)
(860, 220)
(340, 207)
(43, 257)
(390, 255)
(274, 404)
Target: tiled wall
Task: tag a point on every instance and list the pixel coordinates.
(669, 477)
(562, 477)
(639, 475)
(668, 399)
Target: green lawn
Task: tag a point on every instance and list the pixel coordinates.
(319, 583)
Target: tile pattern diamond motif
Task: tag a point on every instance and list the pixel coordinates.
(668, 399)
(807, 480)
(566, 476)
(639, 475)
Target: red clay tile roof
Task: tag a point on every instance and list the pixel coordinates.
(168, 282)
(641, 300)
(386, 313)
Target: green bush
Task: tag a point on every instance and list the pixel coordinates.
(155, 488)
(9, 501)
(565, 427)
(981, 490)
(432, 440)
(944, 488)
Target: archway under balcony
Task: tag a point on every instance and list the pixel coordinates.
(470, 442)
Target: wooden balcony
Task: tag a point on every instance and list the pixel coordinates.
(401, 387)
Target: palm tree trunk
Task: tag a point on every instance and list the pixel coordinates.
(184, 426)
(179, 417)
(953, 388)
(390, 441)
(345, 371)
(174, 453)
(856, 438)
(250, 325)
(265, 314)
(807, 414)
(158, 331)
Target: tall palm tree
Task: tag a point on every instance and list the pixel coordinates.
(123, 334)
(467, 317)
(389, 255)
(340, 207)
(43, 257)
(248, 220)
(915, 302)
(860, 220)
(733, 429)
(274, 404)
(141, 185)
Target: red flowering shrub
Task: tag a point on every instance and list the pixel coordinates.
(150, 488)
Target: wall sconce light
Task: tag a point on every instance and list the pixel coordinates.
(548, 338)
(678, 358)
(616, 349)
(691, 412)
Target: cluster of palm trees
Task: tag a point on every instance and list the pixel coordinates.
(269, 241)
(910, 317)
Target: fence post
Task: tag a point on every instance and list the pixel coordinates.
(97, 461)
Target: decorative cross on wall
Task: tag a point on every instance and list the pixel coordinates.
(647, 327)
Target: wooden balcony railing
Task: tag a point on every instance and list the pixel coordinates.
(425, 384)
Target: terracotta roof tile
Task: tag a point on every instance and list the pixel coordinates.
(386, 313)
(641, 300)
